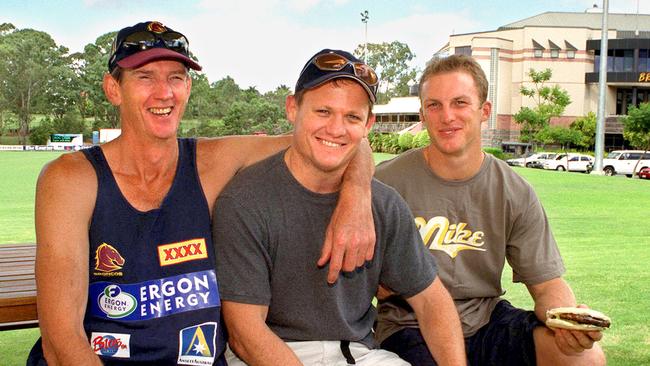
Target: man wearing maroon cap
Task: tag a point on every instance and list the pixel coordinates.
(125, 262)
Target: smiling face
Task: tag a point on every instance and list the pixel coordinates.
(452, 112)
(151, 98)
(329, 123)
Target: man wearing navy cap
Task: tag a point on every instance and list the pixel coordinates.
(125, 261)
(270, 219)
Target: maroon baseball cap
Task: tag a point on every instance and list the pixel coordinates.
(149, 41)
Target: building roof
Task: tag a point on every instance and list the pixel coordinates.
(620, 22)
(398, 105)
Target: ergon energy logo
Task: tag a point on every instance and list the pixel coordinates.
(184, 251)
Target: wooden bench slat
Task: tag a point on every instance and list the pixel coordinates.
(17, 286)
(19, 282)
(17, 297)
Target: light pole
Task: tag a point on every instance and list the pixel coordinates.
(602, 96)
(364, 20)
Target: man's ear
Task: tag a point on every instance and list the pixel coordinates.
(486, 109)
(371, 121)
(291, 108)
(112, 90)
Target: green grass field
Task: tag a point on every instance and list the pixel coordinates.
(601, 224)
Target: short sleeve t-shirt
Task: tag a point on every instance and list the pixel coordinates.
(268, 233)
(472, 227)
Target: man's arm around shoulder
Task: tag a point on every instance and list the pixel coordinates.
(251, 339)
(439, 324)
(65, 198)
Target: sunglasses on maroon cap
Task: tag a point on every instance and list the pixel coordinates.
(155, 36)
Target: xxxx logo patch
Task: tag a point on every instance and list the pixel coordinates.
(184, 251)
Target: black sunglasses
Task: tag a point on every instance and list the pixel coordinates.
(144, 40)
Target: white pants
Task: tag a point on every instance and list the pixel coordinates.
(328, 353)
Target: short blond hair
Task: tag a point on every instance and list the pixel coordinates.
(454, 63)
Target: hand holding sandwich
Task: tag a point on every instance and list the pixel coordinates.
(553, 294)
(576, 328)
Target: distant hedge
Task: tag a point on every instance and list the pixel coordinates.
(394, 143)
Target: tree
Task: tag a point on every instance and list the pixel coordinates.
(71, 122)
(636, 128)
(201, 103)
(30, 65)
(390, 62)
(90, 66)
(225, 92)
(560, 135)
(550, 101)
(256, 116)
(586, 126)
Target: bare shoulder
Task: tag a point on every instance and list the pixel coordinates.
(71, 171)
(219, 159)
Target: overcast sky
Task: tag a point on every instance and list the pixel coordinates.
(264, 43)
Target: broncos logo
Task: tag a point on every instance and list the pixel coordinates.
(108, 259)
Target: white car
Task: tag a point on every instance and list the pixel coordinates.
(570, 162)
(531, 159)
(624, 161)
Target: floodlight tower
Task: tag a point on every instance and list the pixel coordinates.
(364, 20)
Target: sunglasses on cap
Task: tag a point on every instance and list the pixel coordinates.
(336, 62)
(144, 40)
(148, 41)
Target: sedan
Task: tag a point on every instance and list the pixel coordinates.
(571, 162)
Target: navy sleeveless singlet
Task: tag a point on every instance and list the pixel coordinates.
(153, 296)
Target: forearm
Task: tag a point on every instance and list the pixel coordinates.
(360, 170)
(67, 350)
(252, 340)
(264, 349)
(61, 319)
(440, 326)
(551, 294)
(350, 235)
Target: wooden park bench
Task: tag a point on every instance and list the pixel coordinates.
(17, 286)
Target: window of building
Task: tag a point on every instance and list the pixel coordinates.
(463, 50)
(538, 52)
(555, 53)
(610, 60)
(619, 59)
(597, 61)
(623, 100)
(643, 61)
(570, 49)
(628, 60)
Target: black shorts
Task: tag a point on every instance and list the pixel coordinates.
(506, 340)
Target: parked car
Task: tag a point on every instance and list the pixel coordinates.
(624, 161)
(527, 161)
(644, 173)
(539, 164)
(570, 162)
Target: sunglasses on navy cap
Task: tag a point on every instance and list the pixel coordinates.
(149, 36)
(331, 64)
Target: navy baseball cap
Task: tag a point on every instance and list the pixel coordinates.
(334, 64)
(149, 41)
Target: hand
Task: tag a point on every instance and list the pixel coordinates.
(349, 238)
(572, 342)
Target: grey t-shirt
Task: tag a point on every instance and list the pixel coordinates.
(472, 227)
(268, 233)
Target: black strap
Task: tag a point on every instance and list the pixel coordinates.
(345, 350)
